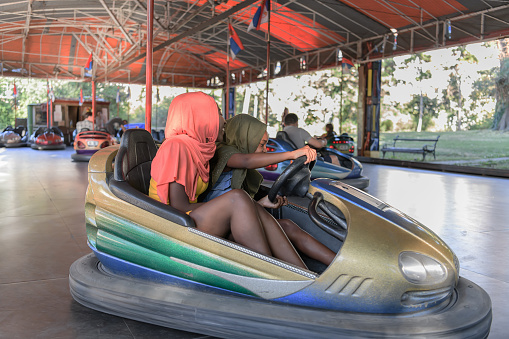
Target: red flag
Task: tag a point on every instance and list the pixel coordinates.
(261, 16)
(235, 43)
(347, 65)
(14, 91)
(89, 64)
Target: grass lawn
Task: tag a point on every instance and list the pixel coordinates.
(467, 148)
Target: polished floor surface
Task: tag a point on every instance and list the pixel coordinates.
(42, 232)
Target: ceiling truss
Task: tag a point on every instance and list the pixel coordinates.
(53, 39)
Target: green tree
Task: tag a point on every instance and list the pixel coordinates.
(160, 112)
(483, 91)
(452, 96)
(29, 91)
(417, 59)
(501, 118)
(388, 81)
(423, 110)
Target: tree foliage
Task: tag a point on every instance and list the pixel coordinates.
(501, 117)
(452, 95)
(431, 107)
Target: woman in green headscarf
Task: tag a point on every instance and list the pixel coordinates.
(234, 167)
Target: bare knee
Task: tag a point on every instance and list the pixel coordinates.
(291, 229)
(239, 196)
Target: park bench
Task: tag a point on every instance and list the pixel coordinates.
(425, 149)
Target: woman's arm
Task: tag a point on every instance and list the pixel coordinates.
(179, 198)
(257, 160)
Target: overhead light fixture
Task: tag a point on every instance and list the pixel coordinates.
(340, 55)
(278, 68)
(303, 65)
(449, 29)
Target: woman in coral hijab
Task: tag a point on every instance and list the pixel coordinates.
(180, 173)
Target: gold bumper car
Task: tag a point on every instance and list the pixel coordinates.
(392, 276)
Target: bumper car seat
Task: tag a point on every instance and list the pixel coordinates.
(131, 180)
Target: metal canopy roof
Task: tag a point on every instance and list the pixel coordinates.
(54, 38)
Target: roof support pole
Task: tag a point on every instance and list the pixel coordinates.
(148, 80)
(47, 104)
(482, 26)
(93, 104)
(268, 63)
(226, 112)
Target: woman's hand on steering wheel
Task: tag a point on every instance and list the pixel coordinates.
(306, 151)
(280, 201)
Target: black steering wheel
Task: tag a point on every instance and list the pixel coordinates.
(293, 181)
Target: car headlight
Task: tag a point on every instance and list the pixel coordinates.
(421, 269)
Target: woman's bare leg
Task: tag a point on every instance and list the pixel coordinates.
(233, 212)
(276, 237)
(306, 243)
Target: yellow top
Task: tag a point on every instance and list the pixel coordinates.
(200, 188)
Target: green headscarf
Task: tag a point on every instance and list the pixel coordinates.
(243, 135)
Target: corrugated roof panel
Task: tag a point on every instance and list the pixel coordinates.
(401, 13)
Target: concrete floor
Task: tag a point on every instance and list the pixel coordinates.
(42, 232)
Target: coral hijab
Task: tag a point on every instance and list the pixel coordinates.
(191, 131)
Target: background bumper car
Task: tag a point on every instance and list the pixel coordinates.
(343, 143)
(86, 143)
(346, 168)
(35, 134)
(51, 139)
(13, 137)
(392, 277)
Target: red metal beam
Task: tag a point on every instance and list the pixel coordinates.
(93, 104)
(148, 63)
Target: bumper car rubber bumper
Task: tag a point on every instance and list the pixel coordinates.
(13, 145)
(81, 157)
(48, 147)
(230, 315)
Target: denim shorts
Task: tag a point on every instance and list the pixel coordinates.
(223, 185)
